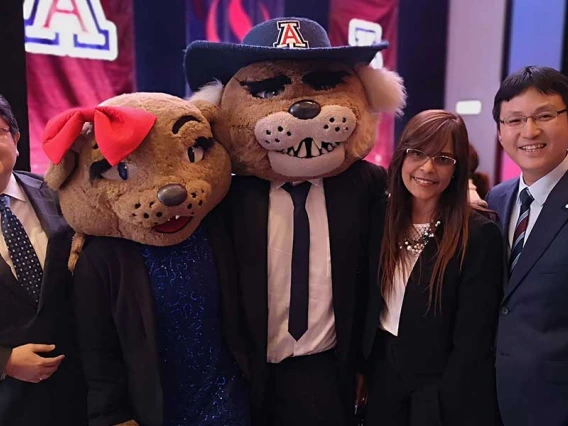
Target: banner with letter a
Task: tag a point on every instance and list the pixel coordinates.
(79, 53)
(364, 22)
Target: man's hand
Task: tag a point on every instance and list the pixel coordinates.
(128, 423)
(26, 365)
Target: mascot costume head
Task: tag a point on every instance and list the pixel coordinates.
(291, 106)
(144, 169)
(142, 166)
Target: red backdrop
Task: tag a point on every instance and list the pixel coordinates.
(57, 83)
(385, 13)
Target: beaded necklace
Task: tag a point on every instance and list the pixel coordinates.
(416, 245)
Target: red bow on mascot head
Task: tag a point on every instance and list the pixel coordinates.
(118, 131)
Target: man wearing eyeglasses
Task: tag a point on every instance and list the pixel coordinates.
(40, 376)
(532, 339)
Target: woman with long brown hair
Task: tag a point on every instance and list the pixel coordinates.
(435, 288)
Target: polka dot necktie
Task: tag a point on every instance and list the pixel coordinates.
(26, 263)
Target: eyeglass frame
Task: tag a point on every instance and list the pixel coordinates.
(524, 118)
(453, 161)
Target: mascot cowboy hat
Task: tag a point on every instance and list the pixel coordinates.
(276, 39)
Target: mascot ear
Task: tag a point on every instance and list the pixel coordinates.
(57, 174)
(208, 99)
(384, 88)
(209, 111)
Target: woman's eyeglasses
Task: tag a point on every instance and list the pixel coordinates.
(420, 157)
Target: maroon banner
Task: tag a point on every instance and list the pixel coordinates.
(351, 22)
(79, 53)
(228, 20)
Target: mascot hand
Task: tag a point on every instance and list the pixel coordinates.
(76, 247)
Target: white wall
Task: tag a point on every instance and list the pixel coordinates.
(474, 67)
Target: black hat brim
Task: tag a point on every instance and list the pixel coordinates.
(206, 61)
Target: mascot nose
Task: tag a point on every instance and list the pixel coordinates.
(172, 194)
(305, 110)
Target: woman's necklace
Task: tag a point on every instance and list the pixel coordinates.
(416, 245)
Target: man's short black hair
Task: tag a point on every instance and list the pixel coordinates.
(544, 79)
(8, 116)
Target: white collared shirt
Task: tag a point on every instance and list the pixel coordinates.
(24, 211)
(320, 335)
(540, 190)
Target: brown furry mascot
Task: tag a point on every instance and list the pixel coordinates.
(141, 176)
(297, 117)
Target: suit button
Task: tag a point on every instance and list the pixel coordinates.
(505, 310)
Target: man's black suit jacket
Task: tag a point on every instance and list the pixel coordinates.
(348, 197)
(60, 400)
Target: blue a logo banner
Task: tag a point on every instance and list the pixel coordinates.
(76, 28)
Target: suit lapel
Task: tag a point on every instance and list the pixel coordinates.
(415, 299)
(45, 205)
(250, 203)
(339, 194)
(222, 249)
(376, 231)
(44, 202)
(9, 280)
(142, 289)
(553, 216)
(55, 270)
(375, 300)
(507, 202)
(219, 245)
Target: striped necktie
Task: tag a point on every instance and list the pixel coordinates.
(520, 228)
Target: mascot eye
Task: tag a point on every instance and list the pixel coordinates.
(195, 154)
(267, 94)
(122, 171)
(267, 88)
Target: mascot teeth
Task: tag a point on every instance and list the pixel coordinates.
(308, 148)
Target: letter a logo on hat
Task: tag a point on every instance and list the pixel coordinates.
(289, 35)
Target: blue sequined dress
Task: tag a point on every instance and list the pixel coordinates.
(201, 382)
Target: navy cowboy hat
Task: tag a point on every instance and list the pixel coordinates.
(276, 39)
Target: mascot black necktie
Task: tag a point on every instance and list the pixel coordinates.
(299, 292)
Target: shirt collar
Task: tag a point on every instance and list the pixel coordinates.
(540, 190)
(13, 190)
(279, 184)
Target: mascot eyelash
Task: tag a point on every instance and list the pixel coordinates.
(273, 84)
(319, 80)
(180, 122)
(325, 80)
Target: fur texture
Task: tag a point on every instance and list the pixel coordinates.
(108, 205)
(265, 139)
(385, 90)
(211, 93)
